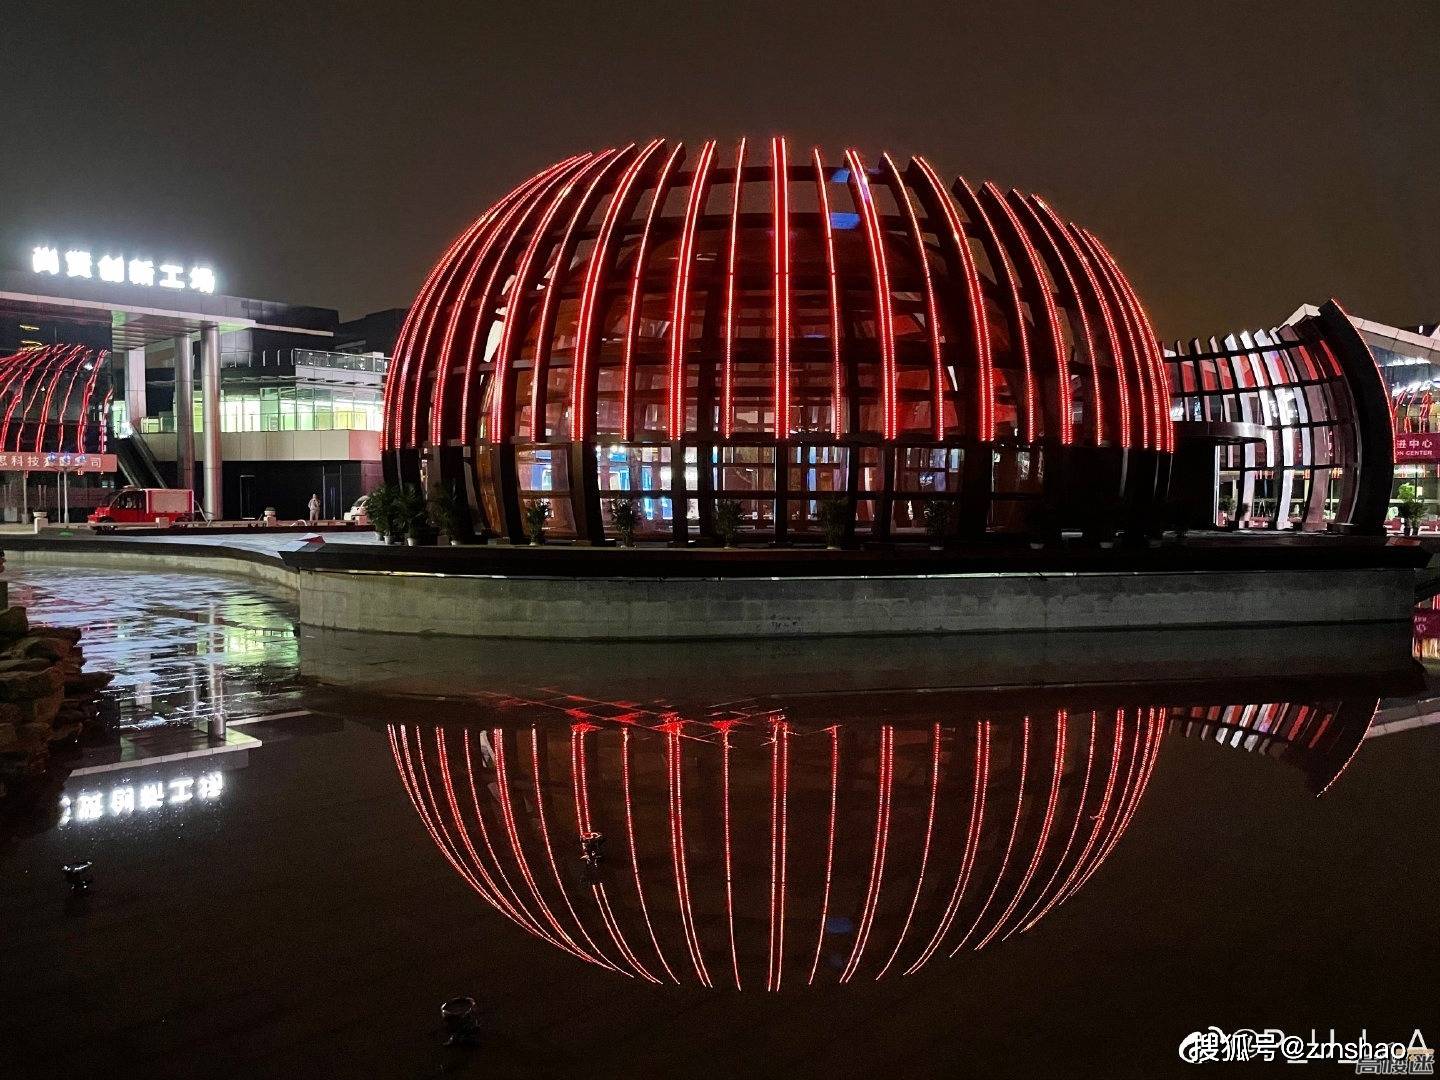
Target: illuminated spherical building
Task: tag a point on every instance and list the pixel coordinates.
(688, 326)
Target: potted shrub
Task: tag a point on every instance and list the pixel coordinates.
(537, 514)
(382, 509)
(1410, 507)
(1227, 508)
(833, 514)
(445, 511)
(1242, 511)
(727, 521)
(411, 511)
(625, 513)
(937, 522)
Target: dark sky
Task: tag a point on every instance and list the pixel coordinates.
(1239, 158)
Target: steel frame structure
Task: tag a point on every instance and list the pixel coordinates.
(776, 330)
(45, 400)
(1297, 420)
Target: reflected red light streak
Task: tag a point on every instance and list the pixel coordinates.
(585, 827)
(779, 848)
(972, 845)
(729, 865)
(829, 848)
(1029, 919)
(885, 774)
(635, 853)
(924, 851)
(675, 772)
(1009, 841)
(1060, 722)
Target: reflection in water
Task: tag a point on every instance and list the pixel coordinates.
(751, 850)
(184, 648)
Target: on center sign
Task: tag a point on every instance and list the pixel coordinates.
(1412, 446)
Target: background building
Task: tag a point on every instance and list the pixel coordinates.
(297, 391)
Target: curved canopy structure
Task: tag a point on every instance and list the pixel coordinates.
(54, 399)
(687, 325)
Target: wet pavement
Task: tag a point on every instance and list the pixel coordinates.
(1113, 866)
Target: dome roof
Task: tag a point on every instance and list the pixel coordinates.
(657, 293)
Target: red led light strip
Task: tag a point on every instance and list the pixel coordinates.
(972, 846)
(884, 316)
(75, 368)
(1009, 841)
(84, 420)
(975, 297)
(727, 375)
(1116, 746)
(838, 425)
(829, 847)
(517, 297)
(780, 190)
(680, 301)
(1137, 353)
(411, 352)
(477, 244)
(1066, 244)
(924, 851)
(1063, 278)
(480, 306)
(1154, 731)
(1041, 287)
(884, 769)
(581, 406)
(637, 281)
(635, 853)
(1160, 377)
(559, 264)
(932, 318)
(37, 361)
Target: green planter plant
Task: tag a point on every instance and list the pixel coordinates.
(833, 516)
(1410, 507)
(537, 514)
(381, 507)
(413, 523)
(446, 513)
(727, 521)
(937, 521)
(625, 514)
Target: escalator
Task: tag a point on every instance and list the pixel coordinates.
(137, 463)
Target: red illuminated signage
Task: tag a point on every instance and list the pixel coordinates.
(53, 462)
(1417, 446)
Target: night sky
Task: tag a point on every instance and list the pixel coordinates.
(1239, 158)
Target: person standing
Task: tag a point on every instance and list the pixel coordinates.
(314, 509)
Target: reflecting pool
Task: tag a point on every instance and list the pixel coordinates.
(1035, 857)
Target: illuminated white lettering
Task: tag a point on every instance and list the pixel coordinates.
(45, 260)
(77, 264)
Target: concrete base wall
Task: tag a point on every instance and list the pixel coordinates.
(629, 609)
(268, 572)
(639, 609)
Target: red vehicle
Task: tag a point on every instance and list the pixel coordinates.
(146, 506)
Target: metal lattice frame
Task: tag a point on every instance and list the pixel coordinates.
(45, 399)
(1299, 436)
(774, 330)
